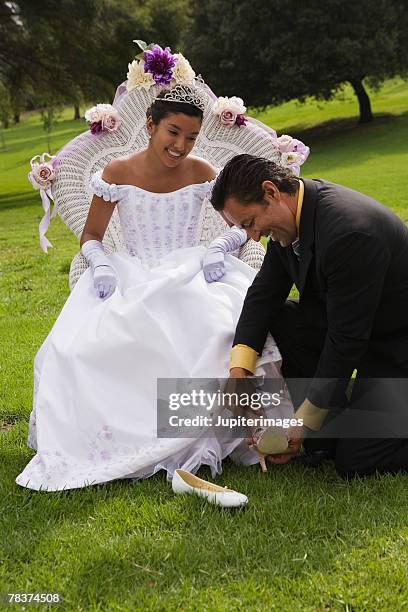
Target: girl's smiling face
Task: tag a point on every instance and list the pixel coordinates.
(173, 138)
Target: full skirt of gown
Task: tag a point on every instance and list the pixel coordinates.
(94, 415)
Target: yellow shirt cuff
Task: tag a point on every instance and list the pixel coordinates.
(312, 416)
(243, 356)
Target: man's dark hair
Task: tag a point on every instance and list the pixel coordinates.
(242, 178)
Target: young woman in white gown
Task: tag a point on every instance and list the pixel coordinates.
(134, 317)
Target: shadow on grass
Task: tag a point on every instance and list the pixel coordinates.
(29, 136)
(347, 126)
(343, 144)
(20, 199)
(65, 267)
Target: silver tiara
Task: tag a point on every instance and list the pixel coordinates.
(185, 95)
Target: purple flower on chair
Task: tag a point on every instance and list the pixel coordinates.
(299, 147)
(241, 120)
(96, 127)
(159, 63)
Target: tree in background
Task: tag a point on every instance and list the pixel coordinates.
(69, 52)
(149, 20)
(6, 108)
(49, 118)
(272, 52)
(46, 50)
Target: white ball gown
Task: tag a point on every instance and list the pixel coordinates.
(94, 411)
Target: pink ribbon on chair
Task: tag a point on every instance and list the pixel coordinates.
(121, 91)
(46, 196)
(41, 176)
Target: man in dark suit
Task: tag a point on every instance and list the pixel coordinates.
(347, 254)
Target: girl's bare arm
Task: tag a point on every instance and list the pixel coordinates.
(100, 213)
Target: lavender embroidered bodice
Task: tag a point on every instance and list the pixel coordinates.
(153, 224)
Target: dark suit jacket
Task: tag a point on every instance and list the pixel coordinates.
(354, 261)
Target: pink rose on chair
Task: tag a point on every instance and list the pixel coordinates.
(292, 161)
(110, 122)
(46, 173)
(285, 143)
(42, 173)
(227, 117)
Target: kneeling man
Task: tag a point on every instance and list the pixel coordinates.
(347, 254)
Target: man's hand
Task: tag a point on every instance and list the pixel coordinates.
(239, 373)
(295, 435)
(239, 384)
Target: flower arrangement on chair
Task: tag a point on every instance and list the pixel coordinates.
(102, 117)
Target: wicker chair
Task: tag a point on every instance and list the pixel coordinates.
(88, 153)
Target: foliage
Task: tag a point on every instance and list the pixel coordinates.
(49, 118)
(5, 107)
(74, 51)
(150, 20)
(271, 52)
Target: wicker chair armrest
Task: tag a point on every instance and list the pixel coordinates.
(252, 253)
(78, 267)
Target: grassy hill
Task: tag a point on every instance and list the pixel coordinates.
(307, 541)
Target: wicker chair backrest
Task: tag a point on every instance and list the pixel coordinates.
(88, 153)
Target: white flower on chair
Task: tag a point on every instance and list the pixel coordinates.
(137, 77)
(182, 71)
(293, 161)
(293, 153)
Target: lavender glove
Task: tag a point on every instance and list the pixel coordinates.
(213, 264)
(105, 280)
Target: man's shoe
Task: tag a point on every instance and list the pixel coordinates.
(312, 458)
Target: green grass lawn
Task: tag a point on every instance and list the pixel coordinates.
(307, 541)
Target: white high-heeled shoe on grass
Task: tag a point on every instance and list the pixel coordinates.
(185, 482)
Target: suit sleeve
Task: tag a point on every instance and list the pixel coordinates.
(355, 267)
(263, 301)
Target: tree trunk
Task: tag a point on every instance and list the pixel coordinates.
(366, 114)
(17, 117)
(77, 112)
